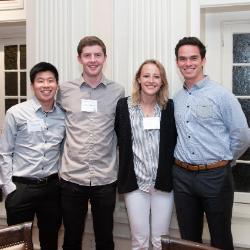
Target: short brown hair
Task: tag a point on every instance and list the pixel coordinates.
(162, 95)
(90, 41)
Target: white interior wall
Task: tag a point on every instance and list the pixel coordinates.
(12, 11)
(133, 30)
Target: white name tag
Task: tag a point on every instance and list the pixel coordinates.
(88, 105)
(35, 126)
(151, 123)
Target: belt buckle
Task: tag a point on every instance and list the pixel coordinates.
(43, 180)
(202, 167)
(194, 167)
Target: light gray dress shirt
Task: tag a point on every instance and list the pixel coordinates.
(210, 123)
(89, 156)
(30, 144)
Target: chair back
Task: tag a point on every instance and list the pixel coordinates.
(17, 237)
(172, 243)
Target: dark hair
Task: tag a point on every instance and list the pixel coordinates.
(191, 41)
(90, 41)
(42, 67)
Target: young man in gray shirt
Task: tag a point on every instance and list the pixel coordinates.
(89, 164)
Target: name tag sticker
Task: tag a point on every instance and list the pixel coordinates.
(35, 126)
(88, 105)
(151, 123)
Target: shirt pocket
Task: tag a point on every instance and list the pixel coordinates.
(25, 131)
(204, 110)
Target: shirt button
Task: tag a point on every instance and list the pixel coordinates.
(187, 121)
(189, 136)
(187, 106)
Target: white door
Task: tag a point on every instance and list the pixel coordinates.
(236, 77)
(13, 87)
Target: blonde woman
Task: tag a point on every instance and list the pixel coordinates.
(146, 132)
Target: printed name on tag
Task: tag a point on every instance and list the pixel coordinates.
(88, 105)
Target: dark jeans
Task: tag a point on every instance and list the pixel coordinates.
(40, 200)
(210, 192)
(75, 206)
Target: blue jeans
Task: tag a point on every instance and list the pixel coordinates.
(75, 206)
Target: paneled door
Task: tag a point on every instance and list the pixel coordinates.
(236, 77)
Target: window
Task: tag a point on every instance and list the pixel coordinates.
(12, 75)
(241, 88)
(236, 76)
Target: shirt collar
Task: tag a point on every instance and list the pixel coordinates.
(37, 106)
(200, 84)
(103, 81)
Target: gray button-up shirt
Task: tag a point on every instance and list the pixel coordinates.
(89, 156)
(31, 141)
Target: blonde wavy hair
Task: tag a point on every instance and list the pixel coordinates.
(162, 95)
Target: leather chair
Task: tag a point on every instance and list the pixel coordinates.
(172, 243)
(17, 237)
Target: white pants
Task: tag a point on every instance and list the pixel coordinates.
(139, 205)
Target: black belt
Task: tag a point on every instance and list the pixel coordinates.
(38, 181)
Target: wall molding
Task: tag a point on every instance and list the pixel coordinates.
(11, 5)
(222, 3)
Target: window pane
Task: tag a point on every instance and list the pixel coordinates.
(23, 83)
(23, 100)
(246, 156)
(11, 83)
(9, 103)
(10, 57)
(245, 104)
(241, 48)
(241, 80)
(22, 56)
(241, 173)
